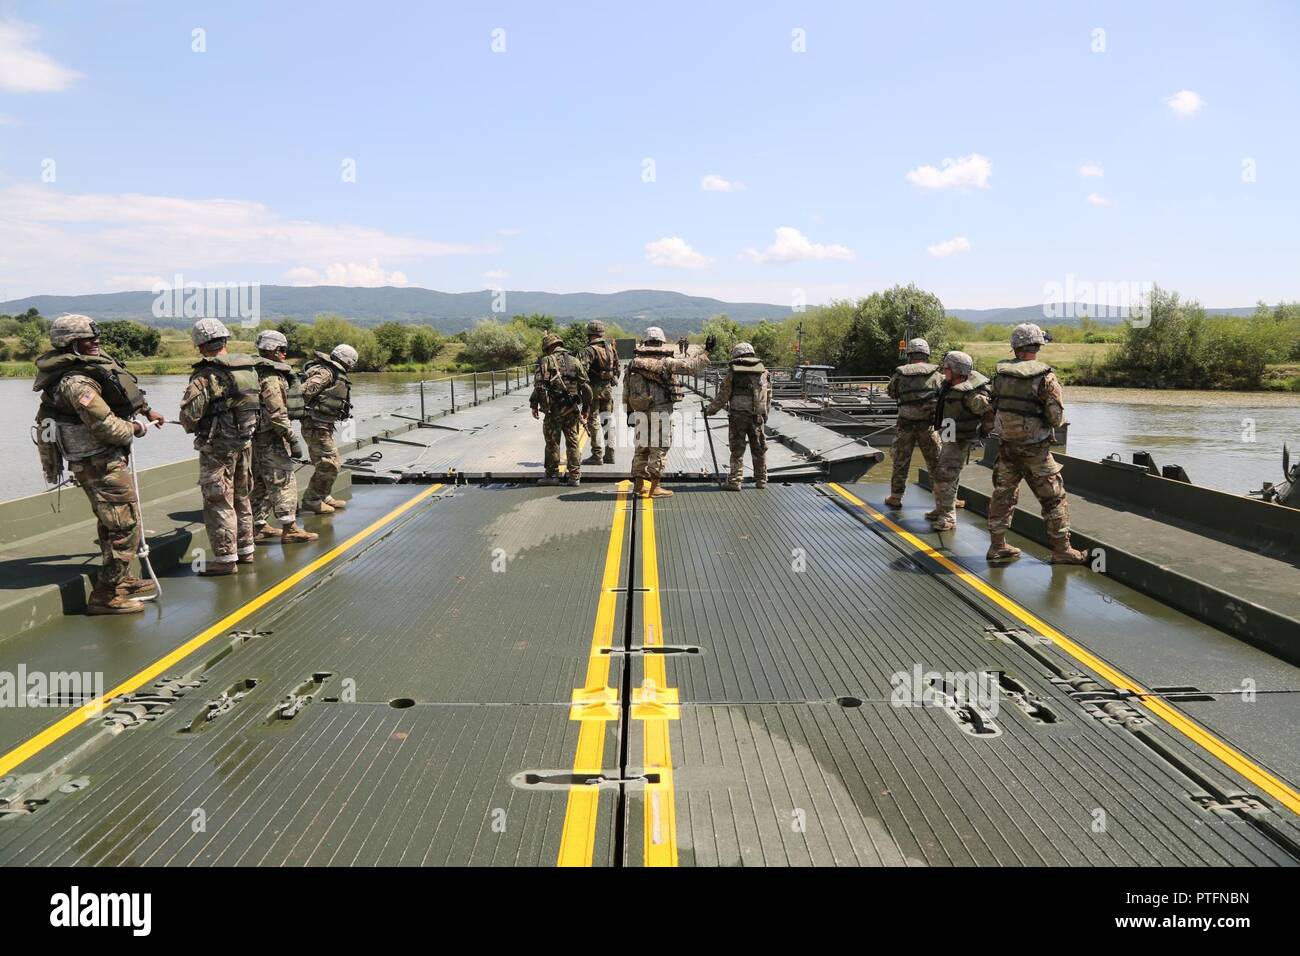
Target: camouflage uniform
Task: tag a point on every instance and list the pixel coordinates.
(916, 388)
(1024, 424)
(561, 420)
(275, 487)
(746, 392)
(318, 432)
(600, 426)
(223, 441)
(961, 410)
(653, 369)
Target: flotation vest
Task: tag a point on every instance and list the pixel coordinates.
(918, 390)
(604, 367)
(649, 383)
(232, 417)
(1022, 415)
(952, 407)
(119, 387)
(293, 391)
(334, 403)
(750, 389)
(558, 374)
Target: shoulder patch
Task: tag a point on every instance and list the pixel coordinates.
(86, 398)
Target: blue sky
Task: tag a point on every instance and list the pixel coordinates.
(526, 168)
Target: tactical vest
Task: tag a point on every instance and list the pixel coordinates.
(953, 408)
(334, 403)
(749, 387)
(293, 391)
(604, 363)
(120, 388)
(918, 390)
(649, 383)
(232, 417)
(558, 372)
(1022, 415)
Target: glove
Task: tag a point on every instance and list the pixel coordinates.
(296, 446)
(710, 343)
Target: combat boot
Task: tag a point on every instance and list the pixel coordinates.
(548, 482)
(731, 486)
(297, 535)
(335, 503)
(129, 585)
(638, 488)
(318, 507)
(105, 602)
(595, 458)
(894, 501)
(657, 492)
(943, 523)
(1062, 553)
(933, 513)
(760, 483)
(999, 550)
(268, 533)
(219, 569)
(574, 481)
(609, 456)
(245, 559)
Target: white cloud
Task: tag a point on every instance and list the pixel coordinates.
(713, 183)
(495, 274)
(673, 251)
(1099, 200)
(53, 238)
(27, 70)
(347, 273)
(1185, 103)
(793, 246)
(941, 250)
(1091, 170)
(972, 170)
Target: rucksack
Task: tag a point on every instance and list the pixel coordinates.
(605, 367)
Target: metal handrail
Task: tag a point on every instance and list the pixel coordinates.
(510, 378)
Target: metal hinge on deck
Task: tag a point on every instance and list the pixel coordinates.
(133, 710)
(1242, 801)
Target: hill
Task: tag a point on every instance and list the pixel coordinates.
(1034, 313)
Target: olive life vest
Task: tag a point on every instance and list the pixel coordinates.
(649, 383)
(120, 388)
(558, 373)
(952, 407)
(333, 403)
(750, 389)
(232, 417)
(604, 366)
(1022, 415)
(918, 391)
(293, 391)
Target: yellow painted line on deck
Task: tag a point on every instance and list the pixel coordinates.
(94, 708)
(1275, 787)
(655, 704)
(595, 703)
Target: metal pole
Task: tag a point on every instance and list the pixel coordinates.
(476, 388)
(494, 383)
(142, 552)
(421, 399)
(453, 394)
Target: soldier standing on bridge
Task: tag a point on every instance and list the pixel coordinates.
(327, 397)
(683, 345)
(220, 408)
(963, 408)
(600, 361)
(746, 391)
(649, 394)
(1028, 405)
(275, 488)
(88, 405)
(563, 395)
(916, 388)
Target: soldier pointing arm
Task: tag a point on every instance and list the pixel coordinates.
(746, 393)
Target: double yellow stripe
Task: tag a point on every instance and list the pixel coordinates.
(1234, 759)
(595, 703)
(94, 708)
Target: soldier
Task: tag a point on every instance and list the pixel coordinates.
(600, 362)
(649, 393)
(962, 410)
(1028, 405)
(746, 392)
(275, 446)
(562, 393)
(916, 388)
(683, 345)
(220, 408)
(88, 405)
(327, 395)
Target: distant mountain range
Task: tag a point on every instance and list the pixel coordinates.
(452, 311)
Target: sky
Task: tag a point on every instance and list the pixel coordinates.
(994, 153)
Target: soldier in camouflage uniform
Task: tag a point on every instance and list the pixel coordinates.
(746, 393)
(275, 488)
(962, 410)
(327, 394)
(88, 405)
(649, 394)
(915, 386)
(562, 394)
(220, 408)
(600, 361)
(1028, 405)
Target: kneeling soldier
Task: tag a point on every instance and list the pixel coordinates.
(746, 391)
(963, 408)
(275, 488)
(562, 394)
(327, 395)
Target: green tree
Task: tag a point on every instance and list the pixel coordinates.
(129, 339)
(31, 341)
(538, 321)
(727, 331)
(393, 342)
(575, 336)
(882, 320)
(767, 339)
(426, 343)
(490, 345)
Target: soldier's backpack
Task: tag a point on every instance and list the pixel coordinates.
(560, 376)
(604, 363)
(648, 385)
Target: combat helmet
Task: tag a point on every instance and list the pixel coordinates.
(270, 340)
(345, 355)
(208, 330)
(918, 347)
(1026, 335)
(550, 340)
(654, 336)
(68, 328)
(959, 362)
(595, 329)
(741, 349)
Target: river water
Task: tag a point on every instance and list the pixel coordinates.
(1226, 440)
